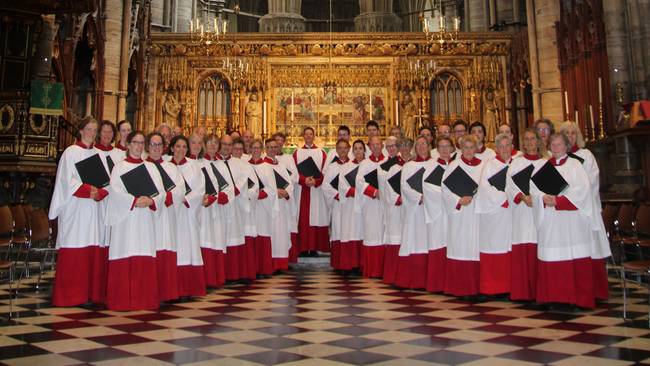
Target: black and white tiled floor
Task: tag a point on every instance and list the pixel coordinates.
(317, 317)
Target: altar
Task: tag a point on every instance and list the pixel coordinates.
(285, 82)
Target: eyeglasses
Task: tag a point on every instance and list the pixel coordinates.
(156, 145)
(543, 129)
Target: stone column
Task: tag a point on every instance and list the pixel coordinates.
(183, 15)
(544, 69)
(377, 16)
(475, 15)
(617, 44)
(283, 17)
(112, 51)
(124, 61)
(42, 59)
(411, 22)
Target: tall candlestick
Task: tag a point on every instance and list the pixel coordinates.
(291, 105)
(600, 90)
(264, 117)
(397, 112)
(370, 103)
(591, 122)
(566, 104)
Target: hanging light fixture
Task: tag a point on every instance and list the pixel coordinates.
(435, 28)
(206, 33)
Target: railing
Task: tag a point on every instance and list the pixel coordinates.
(66, 136)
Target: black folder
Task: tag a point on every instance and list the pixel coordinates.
(395, 182)
(139, 183)
(251, 184)
(351, 177)
(549, 180)
(308, 168)
(168, 183)
(522, 179)
(209, 187)
(435, 177)
(289, 172)
(460, 183)
(372, 179)
(388, 163)
(92, 171)
(334, 159)
(574, 156)
(335, 182)
(262, 186)
(280, 182)
(187, 189)
(415, 181)
(498, 180)
(110, 163)
(221, 181)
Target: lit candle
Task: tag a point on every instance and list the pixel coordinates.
(600, 90)
(192, 26)
(426, 25)
(566, 104)
(216, 26)
(397, 112)
(456, 24)
(577, 120)
(442, 22)
(264, 117)
(591, 117)
(292, 105)
(370, 103)
(225, 26)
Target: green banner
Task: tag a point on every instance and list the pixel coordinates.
(46, 98)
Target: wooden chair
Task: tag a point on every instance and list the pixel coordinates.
(609, 213)
(6, 229)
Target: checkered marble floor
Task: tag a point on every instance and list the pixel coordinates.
(317, 317)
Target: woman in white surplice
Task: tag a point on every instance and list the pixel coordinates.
(132, 274)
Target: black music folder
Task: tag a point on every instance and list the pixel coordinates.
(110, 163)
(282, 183)
(334, 159)
(498, 180)
(435, 177)
(209, 187)
(372, 179)
(221, 181)
(187, 189)
(522, 179)
(168, 183)
(251, 183)
(460, 183)
(415, 181)
(92, 171)
(335, 182)
(351, 177)
(139, 183)
(574, 156)
(385, 166)
(549, 180)
(395, 182)
(308, 168)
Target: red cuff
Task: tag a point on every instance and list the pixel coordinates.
(236, 192)
(350, 192)
(562, 203)
(505, 204)
(101, 194)
(169, 200)
(152, 207)
(262, 195)
(458, 205)
(336, 197)
(399, 201)
(83, 191)
(370, 191)
(301, 179)
(211, 200)
(222, 198)
(318, 182)
(518, 198)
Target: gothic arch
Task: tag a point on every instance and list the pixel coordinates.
(447, 96)
(213, 100)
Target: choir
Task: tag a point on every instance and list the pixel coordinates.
(163, 217)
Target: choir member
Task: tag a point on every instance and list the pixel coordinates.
(166, 239)
(211, 208)
(286, 161)
(397, 132)
(392, 204)
(235, 135)
(369, 205)
(436, 218)
(427, 133)
(462, 267)
(330, 186)
(565, 238)
(176, 131)
(349, 252)
(459, 129)
(343, 133)
(239, 150)
(264, 207)
(545, 129)
(201, 132)
(523, 267)
(372, 129)
(132, 273)
(444, 130)
(482, 152)
(247, 138)
(506, 129)
(192, 279)
(601, 249)
(495, 221)
(79, 276)
(119, 153)
(240, 253)
(313, 218)
(166, 132)
(414, 249)
(250, 190)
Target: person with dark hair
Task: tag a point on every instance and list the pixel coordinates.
(372, 128)
(342, 134)
(105, 149)
(313, 218)
(458, 129)
(483, 152)
(427, 133)
(123, 130)
(262, 209)
(81, 263)
(132, 272)
(331, 194)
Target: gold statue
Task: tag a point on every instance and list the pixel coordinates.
(254, 115)
(171, 109)
(491, 116)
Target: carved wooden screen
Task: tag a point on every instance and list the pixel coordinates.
(213, 101)
(446, 98)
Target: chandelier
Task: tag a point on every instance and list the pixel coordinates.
(206, 33)
(436, 30)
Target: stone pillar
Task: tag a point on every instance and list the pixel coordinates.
(617, 45)
(475, 15)
(283, 17)
(42, 59)
(377, 16)
(544, 69)
(411, 22)
(124, 61)
(183, 15)
(112, 49)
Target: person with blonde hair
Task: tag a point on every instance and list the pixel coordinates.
(601, 249)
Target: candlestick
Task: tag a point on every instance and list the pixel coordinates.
(397, 111)
(264, 117)
(601, 125)
(577, 120)
(592, 123)
(370, 102)
(600, 90)
(291, 105)
(566, 104)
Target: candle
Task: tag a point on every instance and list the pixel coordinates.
(225, 26)
(566, 104)
(264, 117)
(426, 25)
(591, 116)
(456, 24)
(292, 105)
(192, 26)
(600, 90)
(397, 112)
(370, 103)
(577, 121)
(442, 23)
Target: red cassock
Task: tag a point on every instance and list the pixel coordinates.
(347, 254)
(393, 217)
(313, 216)
(286, 163)
(81, 260)
(262, 208)
(436, 222)
(331, 195)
